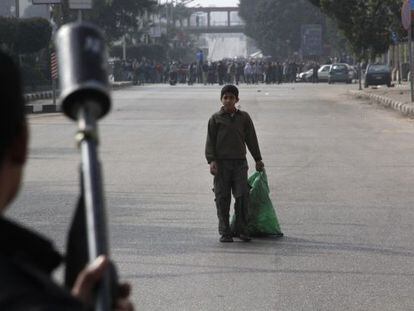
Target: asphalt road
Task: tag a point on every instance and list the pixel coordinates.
(341, 173)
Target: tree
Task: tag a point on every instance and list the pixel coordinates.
(120, 17)
(27, 40)
(180, 45)
(115, 17)
(33, 35)
(151, 51)
(8, 32)
(367, 24)
(275, 25)
(24, 36)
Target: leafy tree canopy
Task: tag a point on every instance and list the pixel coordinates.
(155, 52)
(115, 17)
(367, 24)
(33, 34)
(180, 45)
(276, 24)
(24, 36)
(8, 30)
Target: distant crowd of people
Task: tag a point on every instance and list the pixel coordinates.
(227, 71)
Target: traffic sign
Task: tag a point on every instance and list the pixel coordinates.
(80, 4)
(406, 14)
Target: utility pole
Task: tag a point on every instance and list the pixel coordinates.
(124, 56)
(398, 62)
(17, 8)
(406, 18)
(167, 12)
(410, 53)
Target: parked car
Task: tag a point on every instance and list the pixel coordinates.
(377, 74)
(305, 76)
(323, 73)
(339, 73)
(352, 72)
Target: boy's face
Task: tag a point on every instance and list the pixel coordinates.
(229, 101)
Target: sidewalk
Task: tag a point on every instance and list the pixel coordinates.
(397, 98)
(41, 102)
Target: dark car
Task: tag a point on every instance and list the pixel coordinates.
(339, 73)
(377, 75)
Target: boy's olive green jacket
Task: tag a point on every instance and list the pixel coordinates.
(228, 134)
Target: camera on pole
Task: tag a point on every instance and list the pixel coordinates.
(85, 98)
(83, 69)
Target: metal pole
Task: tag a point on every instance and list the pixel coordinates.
(124, 48)
(398, 63)
(54, 90)
(410, 53)
(17, 5)
(94, 198)
(80, 16)
(172, 13)
(167, 14)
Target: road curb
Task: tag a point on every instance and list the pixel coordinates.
(405, 108)
(32, 107)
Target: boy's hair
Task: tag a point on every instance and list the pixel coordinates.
(12, 115)
(229, 89)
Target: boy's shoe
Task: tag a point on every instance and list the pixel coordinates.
(226, 239)
(244, 237)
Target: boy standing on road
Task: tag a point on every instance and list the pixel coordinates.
(229, 131)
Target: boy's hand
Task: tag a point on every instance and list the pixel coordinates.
(259, 166)
(90, 276)
(213, 168)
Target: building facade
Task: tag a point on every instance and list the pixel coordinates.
(23, 9)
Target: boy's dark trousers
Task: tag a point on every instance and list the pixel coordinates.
(232, 177)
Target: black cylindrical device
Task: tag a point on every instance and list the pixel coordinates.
(82, 58)
(85, 98)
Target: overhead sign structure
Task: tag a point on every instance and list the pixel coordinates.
(46, 1)
(80, 4)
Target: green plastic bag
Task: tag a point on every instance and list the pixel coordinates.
(262, 219)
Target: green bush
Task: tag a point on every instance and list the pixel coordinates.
(24, 36)
(33, 34)
(8, 32)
